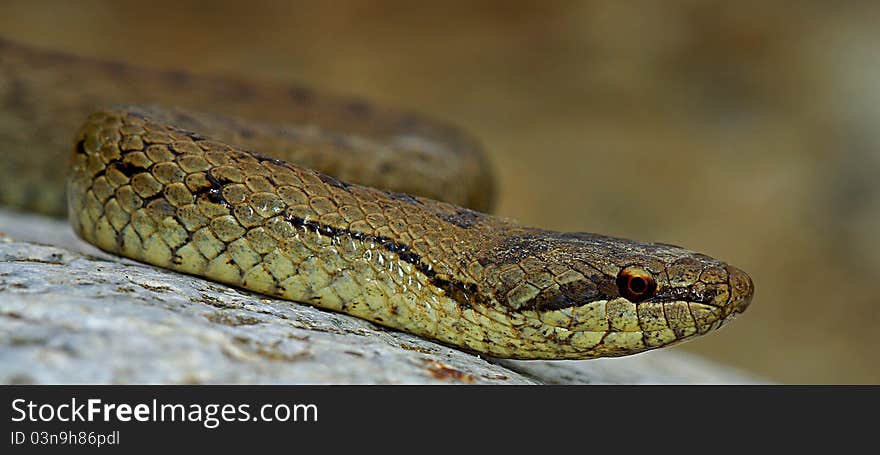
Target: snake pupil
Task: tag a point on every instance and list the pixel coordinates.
(636, 284)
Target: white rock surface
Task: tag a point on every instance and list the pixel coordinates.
(70, 313)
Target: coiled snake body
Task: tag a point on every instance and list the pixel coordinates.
(218, 196)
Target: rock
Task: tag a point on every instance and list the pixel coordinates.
(70, 313)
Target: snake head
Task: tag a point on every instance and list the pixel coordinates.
(586, 295)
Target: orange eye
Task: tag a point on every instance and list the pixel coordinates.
(636, 284)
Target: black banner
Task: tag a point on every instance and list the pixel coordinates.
(245, 417)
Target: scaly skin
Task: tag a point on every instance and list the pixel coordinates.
(177, 199)
(167, 187)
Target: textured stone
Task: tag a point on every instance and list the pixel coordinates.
(70, 313)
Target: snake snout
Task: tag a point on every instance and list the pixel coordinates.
(741, 290)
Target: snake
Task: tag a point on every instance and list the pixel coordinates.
(333, 201)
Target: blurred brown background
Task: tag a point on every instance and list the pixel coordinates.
(745, 130)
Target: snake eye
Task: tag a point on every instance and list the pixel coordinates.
(636, 284)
